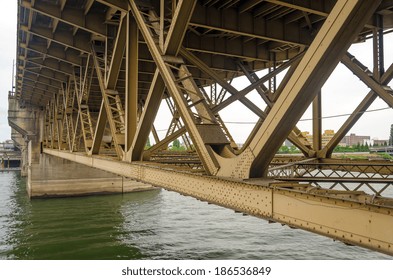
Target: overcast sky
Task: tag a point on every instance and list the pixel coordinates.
(341, 94)
(7, 55)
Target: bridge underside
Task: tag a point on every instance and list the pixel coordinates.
(95, 74)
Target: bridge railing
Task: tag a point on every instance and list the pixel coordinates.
(373, 178)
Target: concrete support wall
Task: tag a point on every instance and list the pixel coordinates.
(56, 177)
(25, 121)
(53, 177)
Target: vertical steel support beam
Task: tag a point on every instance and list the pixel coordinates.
(149, 113)
(109, 81)
(304, 145)
(336, 35)
(317, 122)
(131, 107)
(157, 87)
(207, 132)
(99, 131)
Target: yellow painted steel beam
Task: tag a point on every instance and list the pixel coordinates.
(240, 94)
(177, 31)
(294, 136)
(163, 143)
(132, 67)
(54, 52)
(117, 55)
(79, 42)
(317, 122)
(157, 87)
(384, 92)
(99, 130)
(204, 134)
(312, 10)
(41, 79)
(46, 73)
(33, 85)
(359, 220)
(152, 104)
(51, 64)
(355, 116)
(288, 34)
(115, 4)
(230, 89)
(343, 24)
(91, 22)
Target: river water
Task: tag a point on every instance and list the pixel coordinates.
(148, 225)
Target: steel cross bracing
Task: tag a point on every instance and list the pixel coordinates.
(103, 69)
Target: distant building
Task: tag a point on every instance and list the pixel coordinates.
(377, 142)
(353, 140)
(326, 136)
(8, 145)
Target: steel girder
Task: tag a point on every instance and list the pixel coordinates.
(352, 217)
(184, 48)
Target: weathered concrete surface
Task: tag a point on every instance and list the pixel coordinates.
(26, 128)
(55, 177)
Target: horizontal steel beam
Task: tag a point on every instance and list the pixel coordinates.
(92, 23)
(361, 222)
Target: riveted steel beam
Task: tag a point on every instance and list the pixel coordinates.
(294, 136)
(152, 104)
(131, 108)
(361, 220)
(230, 89)
(342, 26)
(208, 132)
(157, 87)
(345, 21)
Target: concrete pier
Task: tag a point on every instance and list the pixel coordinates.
(55, 177)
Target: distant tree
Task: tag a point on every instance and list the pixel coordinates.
(176, 144)
(391, 136)
(294, 150)
(148, 145)
(283, 150)
(385, 143)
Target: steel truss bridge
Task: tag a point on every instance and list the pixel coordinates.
(98, 71)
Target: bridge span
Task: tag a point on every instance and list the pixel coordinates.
(93, 75)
